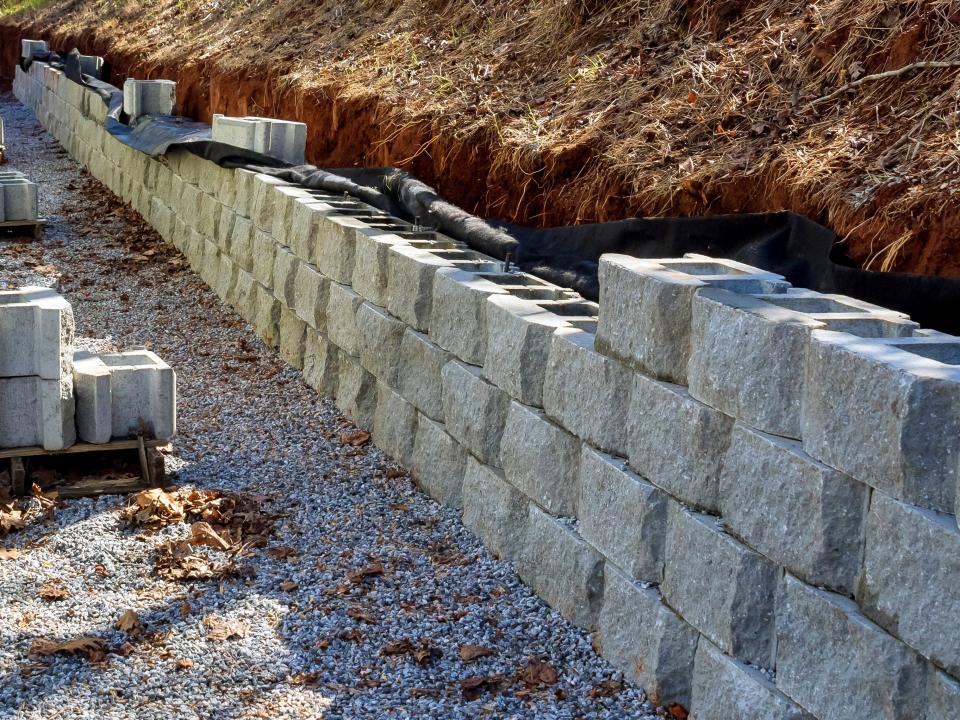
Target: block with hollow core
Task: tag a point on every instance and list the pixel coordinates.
(92, 65)
(36, 333)
(371, 273)
(149, 97)
(887, 412)
(410, 286)
(459, 312)
(759, 378)
(646, 306)
(139, 390)
(29, 48)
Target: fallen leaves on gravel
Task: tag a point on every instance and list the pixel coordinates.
(91, 647)
(129, 623)
(220, 629)
(470, 652)
(289, 586)
(537, 672)
(175, 560)
(357, 575)
(422, 652)
(606, 688)
(361, 615)
(355, 438)
(9, 553)
(282, 552)
(52, 591)
(473, 687)
(202, 534)
(184, 664)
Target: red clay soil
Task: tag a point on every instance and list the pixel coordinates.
(559, 112)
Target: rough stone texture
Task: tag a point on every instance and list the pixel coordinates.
(646, 306)
(812, 516)
(285, 268)
(420, 380)
(241, 243)
(677, 442)
(266, 322)
(438, 462)
(311, 292)
(541, 459)
(944, 703)
(475, 411)
(36, 333)
(837, 664)
(648, 641)
(410, 291)
(622, 515)
(518, 343)
(494, 510)
(586, 392)
(287, 198)
(356, 393)
(371, 270)
(725, 689)
(562, 569)
(264, 253)
(380, 336)
(293, 336)
(720, 586)
(264, 202)
(342, 306)
(320, 363)
(747, 359)
(459, 313)
(394, 425)
(888, 417)
(335, 246)
(911, 578)
(302, 235)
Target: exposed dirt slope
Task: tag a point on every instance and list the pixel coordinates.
(565, 111)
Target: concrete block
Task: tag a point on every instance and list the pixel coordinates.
(356, 392)
(237, 131)
(320, 363)
(587, 392)
(264, 255)
(380, 336)
(190, 202)
(645, 639)
(419, 379)
(494, 510)
(35, 411)
(410, 288)
(311, 294)
(720, 586)
(141, 393)
(285, 267)
(676, 442)
(911, 578)
(226, 277)
(244, 298)
(335, 249)
(794, 510)
(562, 569)
(459, 312)
(837, 664)
(944, 702)
(726, 689)
(241, 243)
(622, 515)
(94, 413)
(371, 276)
(36, 333)
(438, 462)
(646, 306)
(266, 322)
(243, 202)
(474, 410)
(92, 65)
(264, 200)
(228, 217)
(887, 412)
(293, 337)
(19, 199)
(281, 139)
(149, 97)
(29, 48)
(342, 306)
(541, 459)
(288, 140)
(519, 334)
(394, 425)
(286, 200)
(305, 216)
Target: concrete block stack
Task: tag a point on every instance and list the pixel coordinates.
(283, 139)
(18, 197)
(747, 491)
(149, 97)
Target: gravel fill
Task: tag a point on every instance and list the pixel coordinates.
(249, 423)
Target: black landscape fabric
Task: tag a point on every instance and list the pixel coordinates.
(806, 253)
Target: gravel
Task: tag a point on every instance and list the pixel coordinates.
(249, 423)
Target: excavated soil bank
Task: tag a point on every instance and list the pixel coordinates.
(554, 113)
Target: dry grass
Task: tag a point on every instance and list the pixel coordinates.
(600, 109)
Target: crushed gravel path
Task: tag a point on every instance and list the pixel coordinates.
(314, 640)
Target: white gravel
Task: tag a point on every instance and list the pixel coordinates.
(253, 425)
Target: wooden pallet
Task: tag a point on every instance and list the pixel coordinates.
(151, 463)
(34, 227)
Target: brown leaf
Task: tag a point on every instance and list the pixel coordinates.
(537, 672)
(9, 553)
(282, 552)
(606, 688)
(288, 586)
(361, 615)
(470, 652)
(394, 473)
(473, 687)
(91, 647)
(692, 97)
(357, 575)
(355, 438)
(129, 622)
(398, 647)
(219, 629)
(202, 534)
(52, 591)
(183, 664)
(352, 634)
(679, 712)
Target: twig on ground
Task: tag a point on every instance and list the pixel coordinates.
(923, 65)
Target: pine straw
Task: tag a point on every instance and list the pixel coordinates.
(608, 109)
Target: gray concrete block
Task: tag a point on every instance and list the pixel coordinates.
(474, 410)
(726, 689)
(837, 664)
(243, 203)
(286, 201)
(438, 462)
(29, 48)
(228, 218)
(887, 412)
(586, 392)
(244, 298)
(305, 216)
(293, 337)
(335, 248)
(394, 425)
(562, 569)
(241, 243)
(35, 411)
(646, 306)
(19, 199)
(266, 321)
(283, 139)
(541, 459)
(36, 333)
(622, 515)
(519, 334)
(371, 275)
(237, 131)
(911, 578)
(91, 384)
(264, 254)
(796, 511)
(189, 207)
(342, 306)
(640, 635)
(380, 337)
(356, 394)
(944, 702)
(263, 206)
(320, 363)
(311, 292)
(285, 267)
(149, 97)
(419, 379)
(676, 442)
(720, 586)
(494, 510)
(459, 313)
(410, 287)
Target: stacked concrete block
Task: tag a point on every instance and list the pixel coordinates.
(18, 197)
(282, 139)
(92, 65)
(29, 48)
(149, 97)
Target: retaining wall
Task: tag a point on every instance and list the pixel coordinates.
(752, 511)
